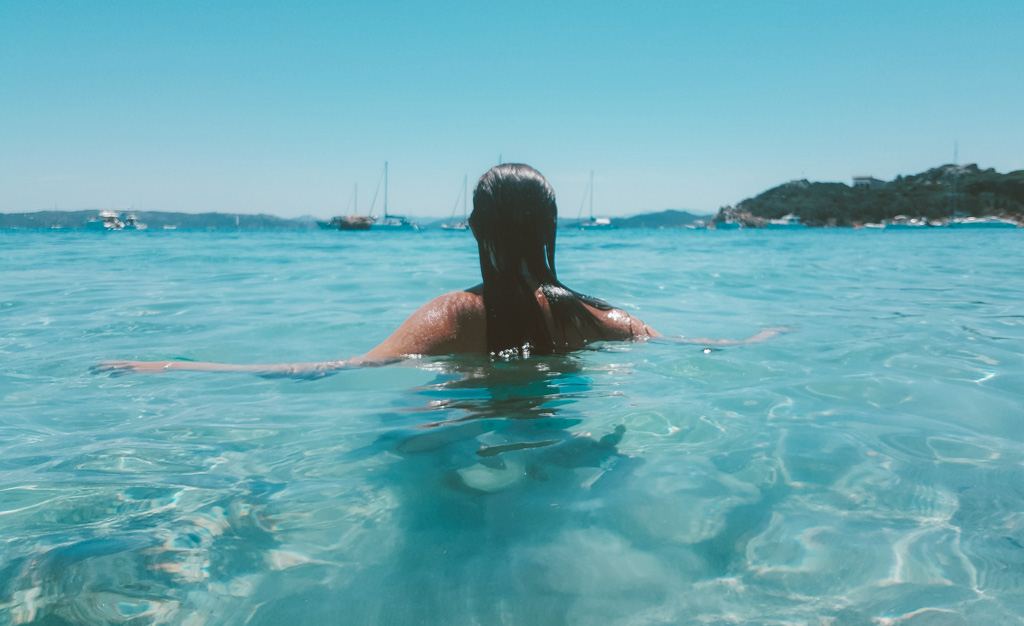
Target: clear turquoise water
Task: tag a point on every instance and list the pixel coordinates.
(865, 468)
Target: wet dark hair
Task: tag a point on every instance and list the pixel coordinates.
(514, 219)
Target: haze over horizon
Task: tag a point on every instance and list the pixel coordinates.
(262, 108)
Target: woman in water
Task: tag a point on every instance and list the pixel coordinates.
(520, 309)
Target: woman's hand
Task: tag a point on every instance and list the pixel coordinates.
(765, 334)
(134, 366)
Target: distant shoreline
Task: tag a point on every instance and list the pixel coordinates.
(948, 195)
(664, 220)
(159, 220)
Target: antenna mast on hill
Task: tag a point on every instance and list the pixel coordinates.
(956, 174)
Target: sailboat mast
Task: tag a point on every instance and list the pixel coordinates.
(591, 195)
(465, 194)
(385, 190)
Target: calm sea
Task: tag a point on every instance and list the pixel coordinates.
(867, 467)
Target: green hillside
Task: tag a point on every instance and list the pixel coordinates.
(937, 194)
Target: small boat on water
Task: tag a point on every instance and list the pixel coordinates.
(132, 223)
(904, 222)
(395, 222)
(462, 224)
(107, 220)
(596, 222)
(982, 222)
(789, 221)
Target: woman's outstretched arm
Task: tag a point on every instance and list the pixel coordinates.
(765, 334)
(623, 326)
(282, 369)
(449, 324)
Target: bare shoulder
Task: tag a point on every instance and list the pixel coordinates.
(450, 323)
(621, 326)
(452, 311)
(460, 302)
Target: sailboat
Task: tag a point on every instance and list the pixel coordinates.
(392, 222)
(132, 223)
(592, 222)
(349, 222)
(464, 223)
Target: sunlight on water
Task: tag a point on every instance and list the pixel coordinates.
(866, 467)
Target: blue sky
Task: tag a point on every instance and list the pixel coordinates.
(283, 107)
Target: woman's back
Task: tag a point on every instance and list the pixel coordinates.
(456, 323)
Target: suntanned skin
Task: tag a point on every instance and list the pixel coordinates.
(454, 323)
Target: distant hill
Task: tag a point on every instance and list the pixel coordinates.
(74, 220)
(937, 194)
(665, 219)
